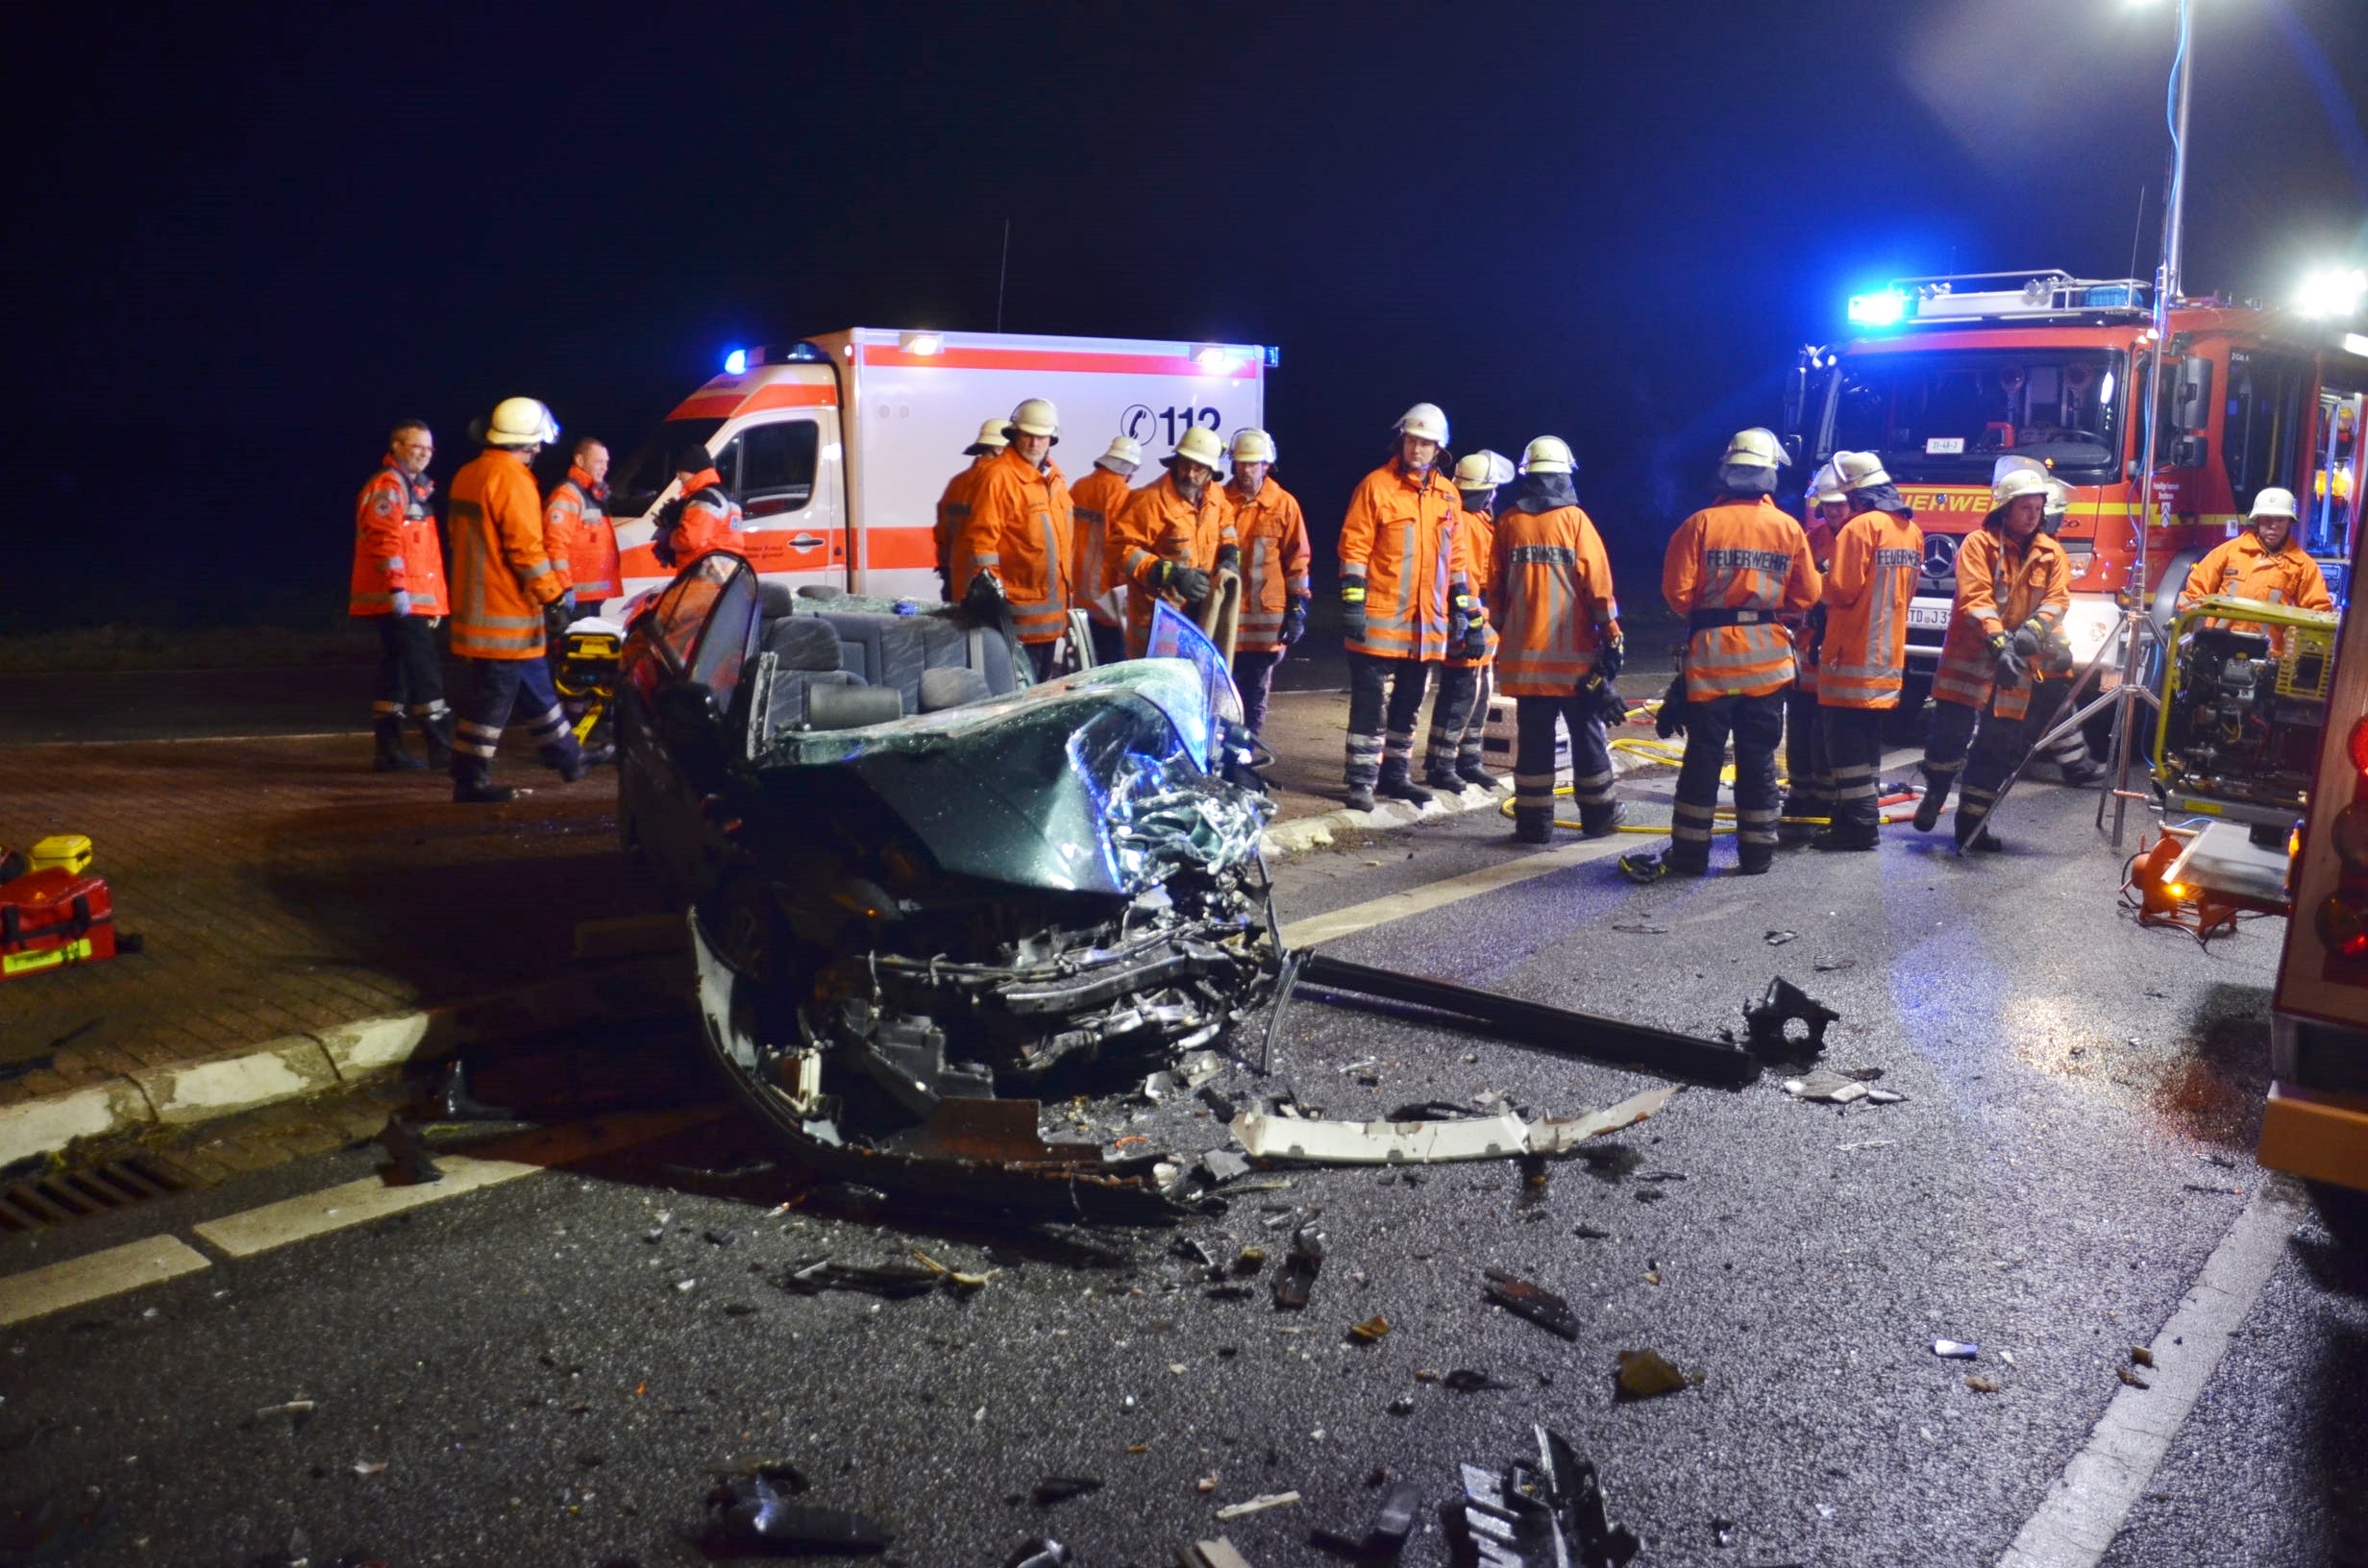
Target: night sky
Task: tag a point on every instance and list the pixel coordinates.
(241, 247)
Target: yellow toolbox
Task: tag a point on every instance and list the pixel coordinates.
(70, 850)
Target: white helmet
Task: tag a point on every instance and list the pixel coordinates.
(1755, 447)
(1251, 446)
(991, 434)
(2017, 482)
(1124, 449)
(2273, 502)
(1199, 446)
(1478, 472)
(1547, 454)
(1035, 417)
(520, 422)
(1825, 487)
(1425, 420)
(1860, 471)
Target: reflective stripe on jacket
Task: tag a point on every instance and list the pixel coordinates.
(1999, 586)
(1159, 525)
(502, 576)
(1096, 501)
(2241, 568)
(582, 540)
(396, 546)
(953, 509)
(1401, 537)
(709, 519)
(1020, 528)
(1864, 655)
(1475, 547)
(1276, 555)
(1743, 555)
(1550, 591)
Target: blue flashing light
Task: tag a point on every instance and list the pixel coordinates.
(736, 362)
(1879, 309)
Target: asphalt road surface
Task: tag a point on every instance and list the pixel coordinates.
(552, 1370)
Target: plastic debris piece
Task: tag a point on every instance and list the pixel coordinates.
(1956, 1350)
(369, 1467)
(1298, 1275)
(1541, 1305)
(1641, 928)
(1831, 1087)
(1370, 1330)
(1042, 1553)
(2138, 1353)
(1884, 1096)
(1217, 1554)
(1435, 1134)
(1463, 1380)
(1543, 1511)
(2131, 1377)
(1403, 1405)
(1249, 1261)
(1393, 1523)
(1868, 1144)
(751, 1516)
(1826, 966)
(954, 1276)
(1647, 1374)
(1222, 1165)
(1258, 1505)
(894, 1282)
(1777, 939)
(1061, 1488)
(1981, 1384)
(1769, 1021)
(1588, 1232)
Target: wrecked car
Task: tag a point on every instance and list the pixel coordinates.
(919, 884)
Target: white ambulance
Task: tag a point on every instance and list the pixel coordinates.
(838, 446)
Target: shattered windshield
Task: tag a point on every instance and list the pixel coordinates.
(1944, 416)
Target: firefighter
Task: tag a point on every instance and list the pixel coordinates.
(954, 505)
(1809, 791)
(503, 580)
(1550, 587)
(1732, 570)
(1096, 501)
(2069, 750)
(1020, 533)
(2013, 584)
(1460, 711)
(2261, 563)
(576, 532)
(703, 517)
(1863, 654)
(398, 581)
(1175, 536)
(1406, 601)
(1276, 556)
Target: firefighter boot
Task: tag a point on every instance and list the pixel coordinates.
(1600, 822)
(473, 783)
(1792, 824)
(1685, 860)
(1755, 859)
(437, 729)
(1360, 798)
(1533, 824)
(1468, 763)
(390, 757)
(1442, 775)
(1927, 804)
(1396, 784)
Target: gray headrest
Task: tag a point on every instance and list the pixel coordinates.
(774, 598)
(851, 708)
(950, 688)
(800, 642)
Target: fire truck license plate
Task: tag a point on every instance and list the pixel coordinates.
(1934, 617)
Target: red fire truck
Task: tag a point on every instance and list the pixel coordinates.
(1948, 374)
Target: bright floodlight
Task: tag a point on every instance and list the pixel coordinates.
(1882, 309)
(2331, 292)
(1217, 358)
(922, 343)
(736, 362)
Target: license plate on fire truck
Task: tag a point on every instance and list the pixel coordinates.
(1929, 615)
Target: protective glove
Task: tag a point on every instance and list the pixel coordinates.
(2028, 640)
(1229, 557)
(1460, 609)
(1188, 584)
(1475, 644)
(1610, 656)
(2009, 666)
(1605, 702)
(401, 601)
(1353, 604)
(1295, 622)
(555, 619)
(1672, 720)
(567, 601)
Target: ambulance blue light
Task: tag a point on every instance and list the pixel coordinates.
(736, 362)
(1882, 309)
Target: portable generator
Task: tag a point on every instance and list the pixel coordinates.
(2244, 705)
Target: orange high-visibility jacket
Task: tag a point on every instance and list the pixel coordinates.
(395, 545)
(1821, 554)
(953, 509)
(2000, 585)
(2241, 568)
(1159, 525)
(709, 519)
(1749, 557)
(1550, 591)
(1276, 555)
(1096, 501)
(582, 540)
(1864, 654)
(1476, 547)
(1399, 536)
(502, 576)
(1020, 529)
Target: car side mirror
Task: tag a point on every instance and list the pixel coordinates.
(2192, 400)
(688, 706)
(1792, 445)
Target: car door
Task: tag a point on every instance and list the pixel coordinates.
(684, 705)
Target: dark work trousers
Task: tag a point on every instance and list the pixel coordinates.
(502, 689)
(1948, 733)
(1809, 790)
(1534, 720)
(1458, 714)
(1382, 692)
(1853, 740)
(1998, 744)
(410, 675)
(1253, 676)
(2050, 706)
(1757, 725)
(1109, 642)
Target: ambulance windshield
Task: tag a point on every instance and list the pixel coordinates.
(636, 483)
(1944, 416)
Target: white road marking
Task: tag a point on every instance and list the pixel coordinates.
(2087, 1507)
(39, 1291)
(204, 740)
(1397, 906)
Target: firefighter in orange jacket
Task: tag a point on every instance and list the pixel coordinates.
(1862, 656)
(2013, 584)
(1175, 536)
(1460, 711)
(1550, 588)
(700, 517)
(953, 507)
(504, 585)
(1734, 571)
(398, 582)
(1808, 789)
(1276, 556)
(1406, 601)
(1021, 532)
(576, 532)
(2263, 563)
(1095, 502)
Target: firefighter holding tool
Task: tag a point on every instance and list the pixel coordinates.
(1175, 536)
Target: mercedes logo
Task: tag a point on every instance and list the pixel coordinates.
(1940, 555)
